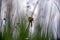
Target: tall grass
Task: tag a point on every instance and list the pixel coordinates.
(7, 34)
(24, 32)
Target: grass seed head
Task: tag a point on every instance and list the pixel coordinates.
(30, 19)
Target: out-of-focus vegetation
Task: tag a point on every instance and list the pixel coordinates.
(24, 32)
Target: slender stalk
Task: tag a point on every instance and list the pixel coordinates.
(57, 7)
(35, 8)
(27, 29)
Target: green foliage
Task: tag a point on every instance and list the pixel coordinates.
(38, 34)
(24, 32)
(0, 36)
(7, 34)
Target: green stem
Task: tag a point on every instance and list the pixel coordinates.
(35, 8)
(27, 27)
(27, 30)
